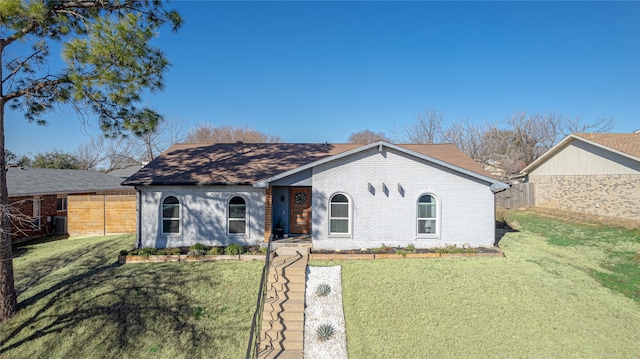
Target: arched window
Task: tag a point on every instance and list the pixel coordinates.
(237, 215)
(170, 215)
(427, 215)
(339, 214)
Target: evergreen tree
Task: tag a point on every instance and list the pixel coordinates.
(109, 62)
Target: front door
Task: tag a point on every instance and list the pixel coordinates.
(300, 218)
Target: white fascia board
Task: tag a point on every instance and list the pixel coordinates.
(380, 144)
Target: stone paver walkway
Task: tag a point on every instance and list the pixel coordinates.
(282, 334)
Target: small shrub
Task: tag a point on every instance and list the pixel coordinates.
(214, 251)
(196, 253)
(454, 249)
(382, 249)
(325, 332)
(169, 251)
(322, 290)
(234, 249)
(401, 252)
(262, 250)
(198, 247)
(411, 248)
(124, 252)
(147, 252)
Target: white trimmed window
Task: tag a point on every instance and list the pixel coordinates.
(61, 204)
(339, 214)
(36, 213)
(171, 215)
(427, 214)
(237, 215)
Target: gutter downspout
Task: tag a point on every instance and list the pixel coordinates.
(139, 219)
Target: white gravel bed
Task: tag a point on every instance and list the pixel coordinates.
(324, 310)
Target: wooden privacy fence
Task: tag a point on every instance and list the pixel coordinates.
(101, 214)
(519, 195)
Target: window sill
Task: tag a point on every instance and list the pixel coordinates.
(339, 235)
(427, 236)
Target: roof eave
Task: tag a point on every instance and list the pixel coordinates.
(555, 149)
(380, 145)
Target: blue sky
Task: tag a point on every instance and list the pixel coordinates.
(319, 71)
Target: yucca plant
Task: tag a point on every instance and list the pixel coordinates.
(325, 331)
(322, 290)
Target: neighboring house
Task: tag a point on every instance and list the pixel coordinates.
(125, 172)
(340, 195)
(594, 173)
(43, 200)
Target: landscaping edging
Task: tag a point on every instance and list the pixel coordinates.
(345, 256)
(184, 258)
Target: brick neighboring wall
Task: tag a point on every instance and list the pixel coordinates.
(23, 208)
(604, 195)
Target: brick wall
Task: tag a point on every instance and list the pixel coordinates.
(22, 208)
(203, 215)
(604, 195)
(384, 188)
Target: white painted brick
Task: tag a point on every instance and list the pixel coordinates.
(203, 215)
(466, 205)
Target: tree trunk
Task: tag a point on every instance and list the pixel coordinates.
(8, 300)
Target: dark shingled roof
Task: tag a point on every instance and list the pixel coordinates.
(248, 163)
(40, 181)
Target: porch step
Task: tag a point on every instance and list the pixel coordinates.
(283, 316)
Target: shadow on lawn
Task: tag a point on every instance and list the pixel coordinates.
(21, 248)
(502, 228)
(110, 303)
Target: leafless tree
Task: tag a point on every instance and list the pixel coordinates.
(427, 128)
(468, 137)
(577, 125)
(367, 136)
(110, 153)
(207, 133)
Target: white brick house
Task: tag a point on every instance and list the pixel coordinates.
(341, 196)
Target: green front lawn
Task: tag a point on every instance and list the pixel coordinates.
(77, 302)
(562, 291)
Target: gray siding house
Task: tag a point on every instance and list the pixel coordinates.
(342, 196)
(594, 173)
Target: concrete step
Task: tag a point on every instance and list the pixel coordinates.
(289, 334)
(287, 354)
(292, 344)
(290, 316)
(279, 287)
(270, 326)
(283, 251)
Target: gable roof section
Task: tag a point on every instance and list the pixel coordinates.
(624, 144)
(446, 155)
(228, 163)
(258, 163)
(41, 181)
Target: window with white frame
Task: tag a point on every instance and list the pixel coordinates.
(36, 222)
(171, 215)
(61, 204)
(339, 214)
(237, 215)
(427, 214)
